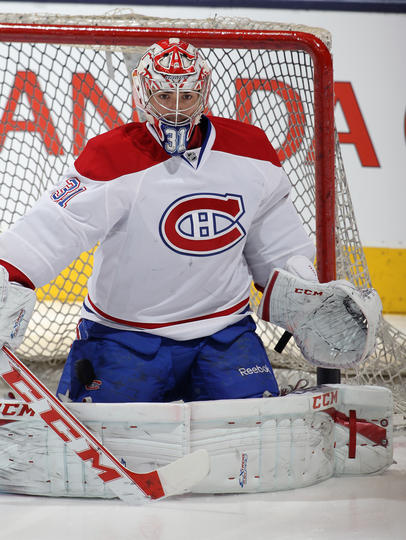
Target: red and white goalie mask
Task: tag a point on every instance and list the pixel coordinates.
(171, 86)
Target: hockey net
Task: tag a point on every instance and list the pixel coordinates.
(61, 85)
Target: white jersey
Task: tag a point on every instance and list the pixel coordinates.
(179, 238)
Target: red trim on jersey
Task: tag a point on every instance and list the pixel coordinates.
(151, 326)
(132, 148)
(16, 275)
(196, 140)
(238, 138)
(77, 330)
(127, 149)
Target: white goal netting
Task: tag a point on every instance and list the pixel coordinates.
(55, 94)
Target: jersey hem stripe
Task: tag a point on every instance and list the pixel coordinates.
(229, 311)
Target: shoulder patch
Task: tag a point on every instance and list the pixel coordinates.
(123, 150)
(243, 139)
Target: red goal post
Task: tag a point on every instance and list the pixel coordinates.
(66, 79)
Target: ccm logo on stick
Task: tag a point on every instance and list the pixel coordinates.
(325, 400)
(309, 292)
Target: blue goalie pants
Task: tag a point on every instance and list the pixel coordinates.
(111, 366)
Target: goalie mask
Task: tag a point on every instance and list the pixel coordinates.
(171, 85)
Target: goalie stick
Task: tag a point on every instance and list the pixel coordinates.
(131, 487)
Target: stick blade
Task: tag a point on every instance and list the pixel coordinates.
(173, 479)
(178, 477)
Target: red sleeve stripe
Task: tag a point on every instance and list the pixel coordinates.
(152, 326)
(16, 275)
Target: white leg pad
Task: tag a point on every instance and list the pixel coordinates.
(254, 445)
(367, 446)
(263, 445)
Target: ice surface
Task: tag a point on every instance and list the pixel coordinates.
(372, 507)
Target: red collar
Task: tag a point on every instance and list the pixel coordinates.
(196, 140)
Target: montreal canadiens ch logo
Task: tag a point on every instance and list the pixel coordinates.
(203, 224)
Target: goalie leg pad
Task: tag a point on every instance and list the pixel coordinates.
(254, 445)
(263, 445)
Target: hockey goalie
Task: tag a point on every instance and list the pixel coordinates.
(187, 210)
